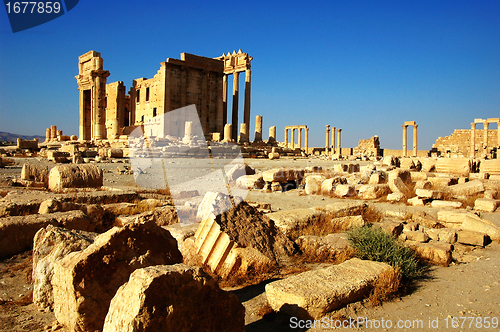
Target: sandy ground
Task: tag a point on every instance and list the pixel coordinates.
(468, 288)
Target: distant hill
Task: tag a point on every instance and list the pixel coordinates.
(13, 137)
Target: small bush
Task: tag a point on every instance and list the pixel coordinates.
(386, 287)
(377, 245)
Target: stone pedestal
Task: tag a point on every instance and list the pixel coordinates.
(272, 134)
(258, 128)
(228, 132)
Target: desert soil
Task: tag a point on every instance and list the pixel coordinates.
(469, 287)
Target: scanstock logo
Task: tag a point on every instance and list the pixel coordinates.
(25, 15)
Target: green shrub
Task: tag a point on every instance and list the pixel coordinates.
(375, 244)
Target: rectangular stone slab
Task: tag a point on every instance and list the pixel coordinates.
(313, 293)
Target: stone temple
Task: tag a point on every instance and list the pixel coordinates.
(107, 111)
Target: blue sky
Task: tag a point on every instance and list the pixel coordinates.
(363, 66)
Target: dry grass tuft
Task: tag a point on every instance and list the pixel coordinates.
(386, 287)
(371, 214)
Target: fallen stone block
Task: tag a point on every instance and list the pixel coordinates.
(35, 172)
(454, 219)
(343, 209)
(396, 197)
(313, 184)
(373, 191)
(423, 184)
(429, 194)
(397, 185)
(490, 166)
(17, 232)
(472, 238)
(283, 174)
(313, 293)
(480, 225)
(467, 189)
(348, 222)
(322, 248)
(402, 214)
(445, 235)
(435, 253)
(50, 245)
(193, 302)
(442, 182)
(417, 236)
(425, 220)
(403, 174)
(213, 203)
(289, 221)
(75, 176)
(250, 181)
(377, 178)
(345, 190)
(416, 201)
(390, 226)
(459, 166)
(239, 170)
(328, 186)
(84, 282)
(486, 205)
(446, 204)
(418, 176)
(184, 235)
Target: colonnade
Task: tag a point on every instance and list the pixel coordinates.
(338, 149)
(299, 129)
(485, 135)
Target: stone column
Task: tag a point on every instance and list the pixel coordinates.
(235, 103)
(300, 137)
(59, 135)
(327, 140)
(272, 134)
(243, 138)
(228, 132)
(306, 143)
(188, 129)
(339, 147)
(224, 99)
(486, 135)
(404, 141)
(246, 110)
(333, 140)
(258, 128)
(415, 152)
(472, 140)
(498, 140)
(47, 135)
(286, 138)
(99, 116)
(53, 133)
(293, 138)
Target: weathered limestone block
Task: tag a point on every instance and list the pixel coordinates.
(435, 253)
(50, 245)
(390, 226)
(446, 204)
(428, 164)
(313, 293)
(417, 236)
(467, 189)
(442, 182)
(292, 220)
(343, 209)
(486, 205)
(476, 224)
(418, 176)
(239, 170)
(345, 190)
(377, 178)
(75, 176)
(213, 203)
(490, 166)
(240, 240)
(425, 220)
(445, 235)
(396, 197)
(416, 201)
(35, 172)
(403, 174)
(391, 161)
(397, 185)
(459, 166)
(373, 191)
(328, 185)
(472, 238)
(115, 153)
(274, 155)
(193, 302)
(313, 184)
(84, 282)
(250, 181)
(322, 248)
(57, 156)
(454, 219)
(423, 184)
(283, 174)
(348, 222)
(17, 232)
(340, 168)
(430, 194)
